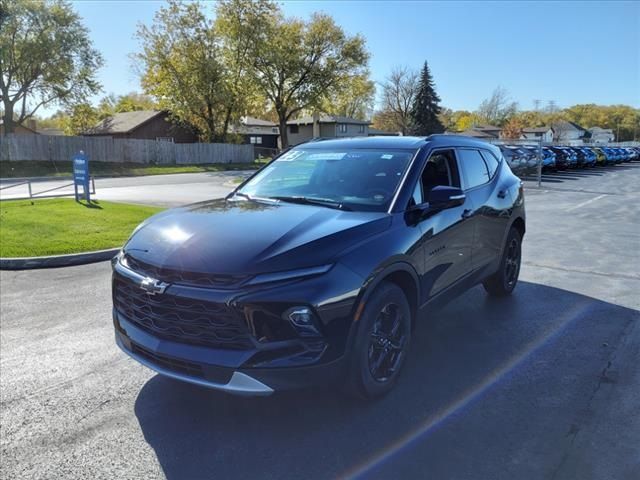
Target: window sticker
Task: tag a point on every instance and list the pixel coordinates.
(387, 156)
(290, 156)
(326, 156)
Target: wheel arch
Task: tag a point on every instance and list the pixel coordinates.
(519, 224)
(401, 274)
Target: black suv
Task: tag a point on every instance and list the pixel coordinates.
(318, 267)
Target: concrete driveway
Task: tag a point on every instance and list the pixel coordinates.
(542, 385)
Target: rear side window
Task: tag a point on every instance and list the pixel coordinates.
(473, 167)
(491, 162)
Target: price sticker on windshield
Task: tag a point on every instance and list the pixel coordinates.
(290, 156)
(327, 156)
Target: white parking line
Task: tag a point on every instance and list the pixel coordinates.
(575, 207)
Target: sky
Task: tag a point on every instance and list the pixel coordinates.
(568, 52)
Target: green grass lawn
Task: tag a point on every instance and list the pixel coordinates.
(21, 169)
(30, 228)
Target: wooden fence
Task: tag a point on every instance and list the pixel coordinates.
(14, 147)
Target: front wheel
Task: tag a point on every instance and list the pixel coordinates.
(381, 343)
(502, 283)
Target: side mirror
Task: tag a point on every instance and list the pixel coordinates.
(441, 197)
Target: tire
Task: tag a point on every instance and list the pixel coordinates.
(386, 312)
(504, 281)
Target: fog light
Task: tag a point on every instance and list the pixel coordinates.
(303, 321)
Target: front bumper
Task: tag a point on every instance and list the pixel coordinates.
(239, 383)
(258, 368)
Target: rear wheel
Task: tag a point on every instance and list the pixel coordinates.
(503, 282)
(381, 343)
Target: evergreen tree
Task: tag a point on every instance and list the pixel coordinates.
(426, 108)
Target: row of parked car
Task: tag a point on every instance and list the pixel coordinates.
(523, 159)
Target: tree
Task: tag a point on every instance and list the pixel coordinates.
(354, 99)
(498, 108)
(512, 129)
(46, 59)
(425, 108)
(466, 121)
(241, 26)
(385, 120)
(398, 94)
(132, 102)
(298, 65)
(181, 66)
(80, 118)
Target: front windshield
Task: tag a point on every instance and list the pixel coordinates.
(352, 179)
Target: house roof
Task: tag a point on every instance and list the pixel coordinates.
(567, 124)
(51, 131)
(257, 122)
(328, 119)
(123, 122)
(536, 130)
(601, 130)
(484, 128)
(473, 132)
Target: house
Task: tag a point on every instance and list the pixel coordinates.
(258, 132)
(143, 124)
(569, 132)
(325, 126)
(601, 135)
(29, 129)
(538, 133)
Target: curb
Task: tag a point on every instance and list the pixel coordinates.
(55, 261)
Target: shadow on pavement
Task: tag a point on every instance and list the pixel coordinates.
(491, 389)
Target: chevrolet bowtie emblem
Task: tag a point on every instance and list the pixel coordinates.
(153, 286)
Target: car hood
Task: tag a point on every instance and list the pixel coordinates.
(248, 237)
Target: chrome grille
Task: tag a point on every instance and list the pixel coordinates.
(184, 278)
(181, 319)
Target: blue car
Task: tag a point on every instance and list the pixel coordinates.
(625, 154)
(572, 157)
(548, 159)
(613, 155)
(634, 153)
(590, 156)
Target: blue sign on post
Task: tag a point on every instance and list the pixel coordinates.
(81, 175)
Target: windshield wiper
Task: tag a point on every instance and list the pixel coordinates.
(252, 197)
(324, 202)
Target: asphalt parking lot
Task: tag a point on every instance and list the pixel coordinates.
(542, 385)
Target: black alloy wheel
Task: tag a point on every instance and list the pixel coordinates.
(381, 342)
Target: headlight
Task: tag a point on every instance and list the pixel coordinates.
(118, 258)
(303, 320)
(288, 275)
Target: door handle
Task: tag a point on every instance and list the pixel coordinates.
(466, 213)
(502, 194)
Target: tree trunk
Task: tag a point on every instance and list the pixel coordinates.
(282, 123)
(9, 126)
(225, 127)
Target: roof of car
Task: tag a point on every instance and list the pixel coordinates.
(440, 140)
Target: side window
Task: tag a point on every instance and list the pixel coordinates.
(491, 161)
(474, 168)
(440, 169)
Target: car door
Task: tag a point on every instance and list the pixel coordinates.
(446, 234)
(489, 204)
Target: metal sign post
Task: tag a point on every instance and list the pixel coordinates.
(81, 176)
